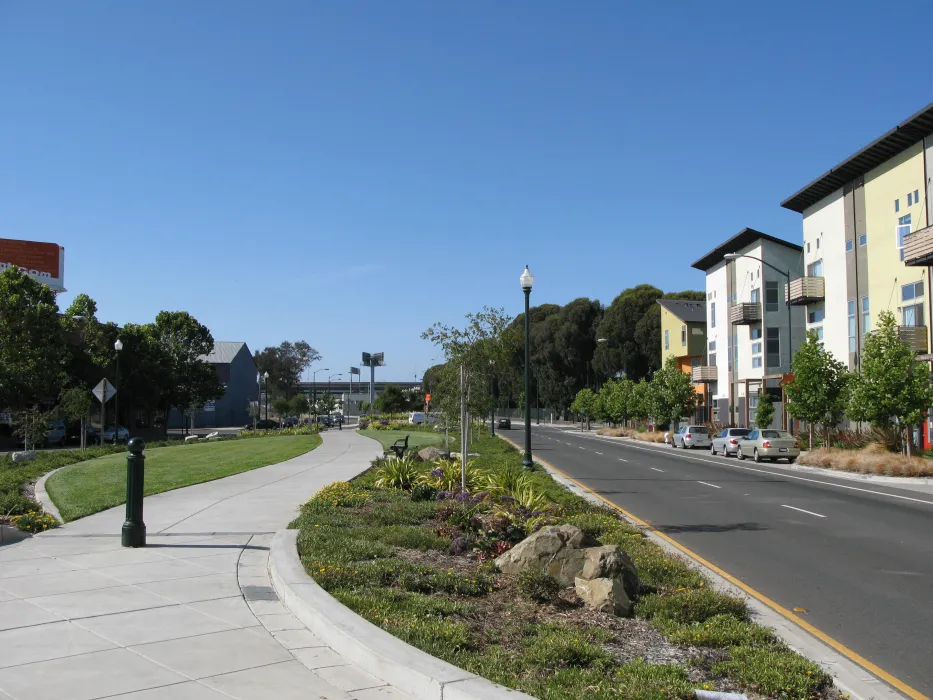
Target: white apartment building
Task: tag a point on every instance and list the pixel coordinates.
(751, 331)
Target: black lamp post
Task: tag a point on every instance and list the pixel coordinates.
(118, 346)
(266, 377)
(527, 280)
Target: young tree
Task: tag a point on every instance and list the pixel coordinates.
(672, 393)
(31, 425)
(585, 405)
(298, 404)
(893, 388)
(765, 414)
(76, 405)
(819, 392)
(642, 400)
(281, 406)
(391, 400)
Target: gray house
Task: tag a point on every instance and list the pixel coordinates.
(237, 371)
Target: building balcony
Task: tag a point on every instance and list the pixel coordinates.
(745, 314)
(915, 336)
(805, 290)
(705, 373)
(918, 248)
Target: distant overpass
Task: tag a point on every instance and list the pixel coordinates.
(359, 387)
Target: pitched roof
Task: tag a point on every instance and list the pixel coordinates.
(743, 238)
(883, 148)
(686, 311)
(223, 353)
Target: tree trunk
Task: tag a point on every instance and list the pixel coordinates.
(910, 438)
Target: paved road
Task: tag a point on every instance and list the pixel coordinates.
(857, 556)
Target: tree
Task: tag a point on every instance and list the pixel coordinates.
(642, 400)
(281, 406)
(819, 391)
(31, 425)
(76, 405)
(893, 390)
(32, 347)
(391, 400)
(764, 416)
(285, 364)
(617, 399)
(326, 404)
(672, 394)
(298, 404)
(625, 350)
(89, 351)
(585, 404)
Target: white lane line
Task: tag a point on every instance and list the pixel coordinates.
(581, 448)
(713, 485)
(622, 460)
(783, 474)
(599, 453)
(808, 512)
(657, 470)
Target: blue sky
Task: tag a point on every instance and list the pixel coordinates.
(349, 172)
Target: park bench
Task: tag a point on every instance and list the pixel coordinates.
(398, 447)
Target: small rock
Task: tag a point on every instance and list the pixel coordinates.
(610, 561)
(428, 454)
(27, 456)
(605, 595)
(191, 438)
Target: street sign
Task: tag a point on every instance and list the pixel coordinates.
(104, 391)
(354, 370)
(427, 397)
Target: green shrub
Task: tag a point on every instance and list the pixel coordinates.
(423, 492)
(35, 521)
(774, 672)
(341, 494)
(690, 605)
(640, 680)
(600, 523)
(657, 570)
(717, 631)
(554, 646)
(398, 473)
(538, 585)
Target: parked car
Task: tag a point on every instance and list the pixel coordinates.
(55, 433)
(727, 442)
(504, 424)
(769, 444)
(325, 421)
(73, 434)
(115, 435)
(690, 436)
(337, 418)
(263, 425)
(290, 422)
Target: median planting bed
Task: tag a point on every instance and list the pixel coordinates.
(403, 547)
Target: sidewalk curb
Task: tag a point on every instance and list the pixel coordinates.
(388, 658)
(848, 676)
(42, 496)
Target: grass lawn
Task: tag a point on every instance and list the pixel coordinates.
(98, 484)
(417, 440)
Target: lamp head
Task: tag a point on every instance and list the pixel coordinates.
(118, 346)
(733, 256)
(527, 279)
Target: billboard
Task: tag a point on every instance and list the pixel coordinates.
(42, 261)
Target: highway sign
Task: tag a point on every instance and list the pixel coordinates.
(104, 391)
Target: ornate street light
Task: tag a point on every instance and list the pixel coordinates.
(527, 280)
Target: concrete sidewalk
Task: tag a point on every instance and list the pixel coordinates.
(193, 615)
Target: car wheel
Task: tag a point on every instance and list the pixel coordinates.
(756, 457)
(712, 449)
(738, 453)
(791, 460)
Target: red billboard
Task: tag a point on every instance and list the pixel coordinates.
(42, 261)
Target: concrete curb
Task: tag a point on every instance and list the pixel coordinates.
(388, 658)
(43, 496)
(848, 676)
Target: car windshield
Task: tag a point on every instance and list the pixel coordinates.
(699, 429)
(738, 431)
(774, 434)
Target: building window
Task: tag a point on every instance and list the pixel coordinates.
(667, 340)
(863, 239)
(808, 246)
(712, 359)
(712, 315)
(756, 362)
(903, 228)
(818, 243)
(897, 205)
(849, 245)
(712, 346)
(916, 196)
(912, 315)
(683, 335)
(756, 348)
(696, 361)
(816, 316)
(729, 352)
(910, 198)
(771, 296)
(756, 295)
(815, 269)
(819, 332)
(912, 291)
(773, 346)
(852, 332)
(755, 333)
(865, 316)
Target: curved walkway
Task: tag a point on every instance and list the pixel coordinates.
(192, 616)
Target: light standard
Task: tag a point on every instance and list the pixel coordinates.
(118, 346)
(790, 342)
(314, 387)
(527, 280)
(266, 377)
(328, 384)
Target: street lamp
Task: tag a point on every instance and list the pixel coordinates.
(118, 346)
(527, 280)
(790, 342)
(266, 377)
(314, 384)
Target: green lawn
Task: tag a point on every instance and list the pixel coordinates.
(418, 439)
(98, 484)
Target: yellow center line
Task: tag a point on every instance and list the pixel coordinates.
(776, 607)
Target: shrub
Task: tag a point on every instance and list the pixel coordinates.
(873, 459)
(690, 605)
(538, 585)
(398, 473)
(653, 436)
(423, 492)
(599, 523)
(640, 680)
(341, 494)
(555, 646)
(717, 631)
(35, 521)
(447, 476)
(774, 672)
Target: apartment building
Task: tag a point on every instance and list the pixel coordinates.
(683, 337)
(751, 331)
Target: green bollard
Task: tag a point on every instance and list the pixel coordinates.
(134, 529)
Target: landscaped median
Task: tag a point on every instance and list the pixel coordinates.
(405, 549)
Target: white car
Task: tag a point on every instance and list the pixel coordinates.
(690, 436)
(122, 434)
(418, 417)
(727, 442)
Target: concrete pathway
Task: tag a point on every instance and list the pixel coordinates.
(193, 615)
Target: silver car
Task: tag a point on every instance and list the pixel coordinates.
(690, 436)
(769, 444)
(727, 442)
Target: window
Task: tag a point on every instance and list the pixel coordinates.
(712, 359)
(733, 297)
(865, 316)
(816, 316)
(696, 361)
(912, 291)
(903, 228)
(773, 347)
(852, 332)
(849, 245)
(819, 332)
(712, 315)
(667, 340)
(729, 353)
(916, 196)
(897, 205)
(683, 335)
(910, 198)
(756, 348)
(771, 296)
(818, 243)
(712, 346)
(756, 296)
(863, 239)
(815, 269)
(756, 362)
(912, 315)
(808, 246)
(755, 333)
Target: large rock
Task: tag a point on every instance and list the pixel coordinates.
(26, 456)
(429, 454)
(605, 595)
(559, 550)
(610, 561)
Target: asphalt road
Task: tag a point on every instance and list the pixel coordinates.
(856, 555)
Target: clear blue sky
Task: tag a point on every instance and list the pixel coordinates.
(349, 172)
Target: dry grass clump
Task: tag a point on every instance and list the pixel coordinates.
(655, 436)
(874, 459)
(615, 432)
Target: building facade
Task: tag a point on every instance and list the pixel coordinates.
(751, 331)
(237, 371)
(868, 244)
(683, 337)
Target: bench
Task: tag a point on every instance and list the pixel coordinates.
(398, 447)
